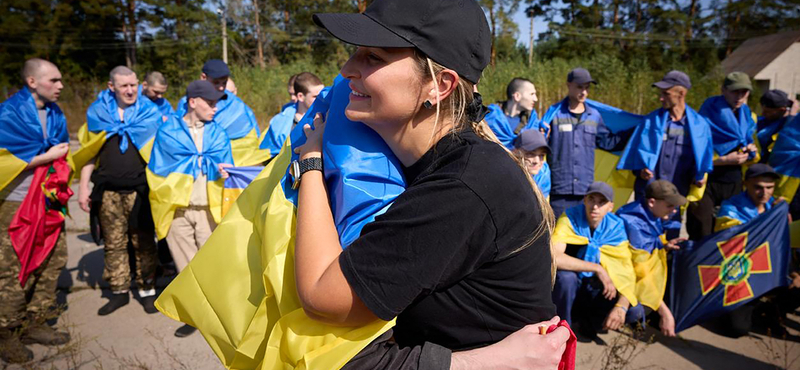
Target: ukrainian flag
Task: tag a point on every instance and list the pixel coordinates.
(608, 246)
(102, 121)
(240, 291)
(279, 128)
(21, 136)
(498, 122)
(785, 159)
(240, 123)
(647, 238)
(238, 179)
(175, 164)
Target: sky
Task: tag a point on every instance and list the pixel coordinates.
(524, 24)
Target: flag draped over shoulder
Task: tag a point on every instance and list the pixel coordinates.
(239, 290)
(730, 268)
(542, 179)
(785, 159)
(142, 119)
(278, 131)
(608, 246)
(498, 122)
(162, 103)
(240, 123)
(21, 136)
(35, 228)
(175, 164)
(737, 210)
(238, 180)
(729, 130)
(647, 239)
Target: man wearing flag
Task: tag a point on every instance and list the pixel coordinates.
(673, 143)
(507, 119)
(233, 115)
(115, 147)
(733, 130)
(594, 265)
(33, 142)
(644, 223)
(154, 87)
(775, 109)
(306, 87)
(531, 148)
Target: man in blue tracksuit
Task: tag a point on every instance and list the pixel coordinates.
(575, 132)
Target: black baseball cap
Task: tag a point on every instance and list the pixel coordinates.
(531, 139)
(599, 187)
(775, 99)
(761, 169)
(204, 89)
(664, 190)
(454, 33)
(674, 78)
(580, 76)
(216, 68)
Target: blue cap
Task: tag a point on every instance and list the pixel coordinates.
(674, 78)
(761, 169)
(601, 188)
(216, 68)
(775, 99)
(531, 139)
(204, 89)
(580, 76)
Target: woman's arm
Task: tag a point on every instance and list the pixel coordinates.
(324, 292)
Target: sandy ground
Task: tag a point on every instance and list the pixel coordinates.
(131, 339)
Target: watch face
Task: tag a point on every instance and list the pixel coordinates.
(294, 170)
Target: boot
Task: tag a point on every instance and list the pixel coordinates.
(185, 331)
(39, 332)
(11, 349)
(149, 304)
(117, 300)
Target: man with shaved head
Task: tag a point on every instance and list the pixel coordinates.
(33, 135)
(115, 148)
(154, 87)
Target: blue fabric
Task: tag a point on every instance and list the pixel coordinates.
(162, 103)
(785, 156)
(564, 293)
(362, 174)
(611, 231)
(691, 305)
(504, 128)
(644, 148)
(240, 177)
(766, 129)
(279, 128)
(643, 228)
(542, 179)
(562, 202)
(20, 128)
(142, 119)
(617, 120)
(175, 151)
(232, 114)
(729, 130)
(741, 208)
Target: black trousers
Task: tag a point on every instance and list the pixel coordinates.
(701, 214)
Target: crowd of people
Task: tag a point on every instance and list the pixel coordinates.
(151, 177)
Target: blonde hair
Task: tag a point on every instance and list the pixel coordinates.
(456, 106)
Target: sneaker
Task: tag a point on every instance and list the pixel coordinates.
(12, 350)
(42, 333)
(149, 304)
(116, 301)
(185, 331)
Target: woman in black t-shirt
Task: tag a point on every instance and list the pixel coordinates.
(462, 258)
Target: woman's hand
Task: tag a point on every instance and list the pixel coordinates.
(523, 349)
(313, 145)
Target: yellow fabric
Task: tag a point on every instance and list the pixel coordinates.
(10, 167)
(167, 194)
(616, 259)
(787, 187)
(245, 151)
(794, 233)
(725, 222)
(651, 276)
(605, 170)
(239, 289)
(229, 197)
(92, 142)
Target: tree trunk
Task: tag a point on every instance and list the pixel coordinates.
(690, 23)
(362, 5)
(530, 46)
(131, 33)
(494, 34)
(616, 14)
(259, 37)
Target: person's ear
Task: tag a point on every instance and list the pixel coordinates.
(516, 96)
(651, 202)
(111, 86)
(203, 76)
(31, 82)
(447, 83)
(300, 97)
(192, 102)
(144, 84)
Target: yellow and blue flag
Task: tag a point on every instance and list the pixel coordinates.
(785, 159)
(238, 180)
(240, 123)
(240, 291)
(608, 245)
(175, 164)
(162, 103)
(141, 120)
(730, 268)
(542, 179)
(21, 136)
(729, 130)
(279, 128)
(505, 133)
(737, 210)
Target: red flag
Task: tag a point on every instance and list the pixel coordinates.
(35, 227)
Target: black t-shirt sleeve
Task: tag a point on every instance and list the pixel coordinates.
(434, 234)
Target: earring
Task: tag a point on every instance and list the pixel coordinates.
(427, 104)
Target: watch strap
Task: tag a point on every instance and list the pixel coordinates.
(310, 164)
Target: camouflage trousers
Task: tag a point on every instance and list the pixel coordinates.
(39, 293)
(114, 214)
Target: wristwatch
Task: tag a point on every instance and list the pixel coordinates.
(298, 168)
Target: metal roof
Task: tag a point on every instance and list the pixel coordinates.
(755, 54)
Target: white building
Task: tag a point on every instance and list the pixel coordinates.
(772, 62)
